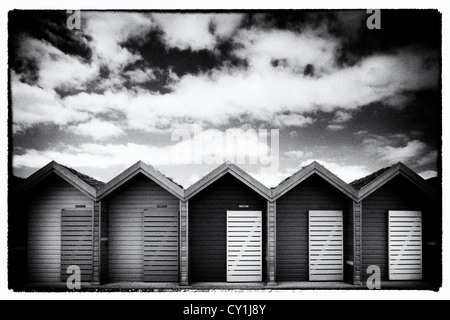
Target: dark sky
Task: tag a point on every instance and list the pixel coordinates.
(124, 86)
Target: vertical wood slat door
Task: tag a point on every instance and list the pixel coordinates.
(326, 246)
(244, 246)
(161, 245)
(405, 245)
(76, 243)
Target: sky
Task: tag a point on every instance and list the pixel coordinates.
(185, 91)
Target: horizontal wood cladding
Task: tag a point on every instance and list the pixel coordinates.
(44, 228)
(104, 242)
(349, 262)
(208, 226)
(314, 193)
(76, 243)
(398, 194)
(161, 245)
(126, 228)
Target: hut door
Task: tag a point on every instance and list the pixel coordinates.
(405, 245)
(161, 244)
(326, 246)
(76, 243)
(244, 246)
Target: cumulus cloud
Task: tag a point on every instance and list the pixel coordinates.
(98, 129)
(34, 105)
(428, 174)
(55, 68)
(346, 172)
(298, 154)
(335, 127)
(109, 30)
(211, 147)
(399, 148)
(196, 31)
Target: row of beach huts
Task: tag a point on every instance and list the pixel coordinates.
(142, 227)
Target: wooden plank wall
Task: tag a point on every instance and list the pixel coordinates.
(76, 243)
(161, 244)
(292, 224)
(348, 243)
(44, 228)
(397, 194)
(271, 242)
(104, 242)
(125, 263)
(184, 239)
(96, 244)
(207, 226)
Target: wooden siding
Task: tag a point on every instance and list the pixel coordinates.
(104, 242)
(96, 244)
(326, 246)
(292, 224)
(398, 194)
(349, 261)
(76, 243)
(44, 228)
(126, 208)
(161, 244)
(244, 246)
(207, 226)
(271, 242)
(184, 239)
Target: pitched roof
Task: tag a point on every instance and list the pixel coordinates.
(308, 171)
(384, 176)
(234, 170)
(82, 182)
(148, 171)
(96, 184)
(361, 183)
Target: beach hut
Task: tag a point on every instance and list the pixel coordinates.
(56, 205)
(139, 227)
(314, 227)
(401, 225)
(227, 223)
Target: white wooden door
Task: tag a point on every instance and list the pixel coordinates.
(244, 246)
(405, 245)
(326, 246)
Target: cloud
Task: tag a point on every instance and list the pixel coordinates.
(297, 154)
(348, 173)
(335, 127)
(109, 30)
(428, 158)
(342, 117)
(261, 47)
(34, 105)
(428, 174)
(56, 69)
(281, 94)
(196, 31)
(399, 148)
(140, 76)
(212, 147)
(291, 120)
(270, 178)
(98, 130)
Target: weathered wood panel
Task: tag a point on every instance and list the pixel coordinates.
(126, 227)
(208, 226)
(326, 246)
(77, 246)
(161, 244)
(398, 194)
(44, 228)
(292, 224)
